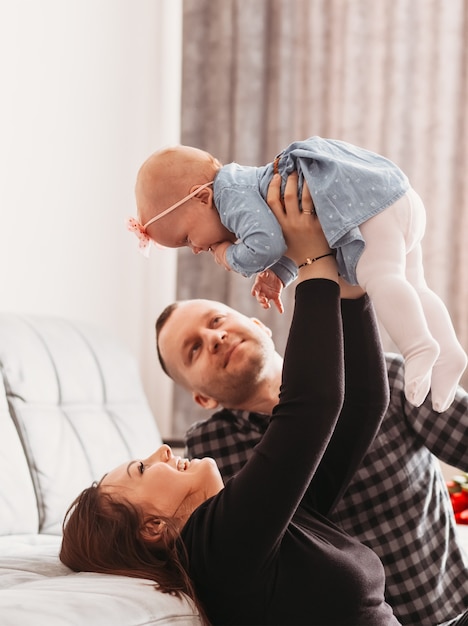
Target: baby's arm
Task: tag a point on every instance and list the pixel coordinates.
(260, 242)
(218, 250)
(268, 286)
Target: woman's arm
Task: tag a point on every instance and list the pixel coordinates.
(250, 515)
(366, 397)
(306, 243)
(366, 401)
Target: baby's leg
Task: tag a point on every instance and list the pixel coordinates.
(381, 271)
(452, 359)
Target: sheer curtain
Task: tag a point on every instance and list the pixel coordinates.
(390, 76)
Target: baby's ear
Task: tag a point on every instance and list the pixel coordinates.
(205, 195)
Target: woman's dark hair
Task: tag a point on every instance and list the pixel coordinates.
(102, 534)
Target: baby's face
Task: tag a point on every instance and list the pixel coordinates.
(196, 226)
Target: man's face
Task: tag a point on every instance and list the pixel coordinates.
(216, 352)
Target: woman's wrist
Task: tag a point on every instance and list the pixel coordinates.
(310, 260)
(323, 267)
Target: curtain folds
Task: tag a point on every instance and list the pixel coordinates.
(390, 76)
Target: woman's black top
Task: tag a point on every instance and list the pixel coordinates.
(262, 551)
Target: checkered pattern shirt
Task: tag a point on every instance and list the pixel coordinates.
(397, 502)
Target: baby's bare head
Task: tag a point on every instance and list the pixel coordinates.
(168, 175)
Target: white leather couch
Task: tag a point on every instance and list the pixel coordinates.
(71, 408)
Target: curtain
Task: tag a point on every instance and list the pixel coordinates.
(388, 75)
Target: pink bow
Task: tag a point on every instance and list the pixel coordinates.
(144, 244)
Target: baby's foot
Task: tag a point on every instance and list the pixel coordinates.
(418, 372)
(417, 389)
(446, 375)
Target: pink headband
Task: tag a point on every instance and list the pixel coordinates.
(140, 230)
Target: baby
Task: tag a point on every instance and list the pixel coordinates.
(368, 211)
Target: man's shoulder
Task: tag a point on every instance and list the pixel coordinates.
(211, 424)
(227, 421)
(421, 420)
(395, 368)
(227, 436)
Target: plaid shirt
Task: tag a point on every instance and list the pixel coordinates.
(397, 502)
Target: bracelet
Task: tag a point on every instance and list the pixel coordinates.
(309, 261)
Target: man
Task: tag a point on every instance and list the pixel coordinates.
(397, 502)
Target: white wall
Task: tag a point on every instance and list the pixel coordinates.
(88, 89)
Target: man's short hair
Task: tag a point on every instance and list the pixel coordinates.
(160, 323)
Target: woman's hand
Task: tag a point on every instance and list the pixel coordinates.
(301, 229)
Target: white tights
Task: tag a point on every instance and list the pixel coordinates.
(391, 271)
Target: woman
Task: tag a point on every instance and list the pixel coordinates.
(260, 549)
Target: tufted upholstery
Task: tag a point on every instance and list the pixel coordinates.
(71, 407)
(77, 403)
(17, 498)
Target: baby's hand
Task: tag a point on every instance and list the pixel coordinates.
(218, 250)
(268, 287)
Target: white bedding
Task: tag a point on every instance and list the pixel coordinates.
(36, 589)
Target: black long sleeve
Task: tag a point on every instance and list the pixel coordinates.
(258, 556)
(366, 400)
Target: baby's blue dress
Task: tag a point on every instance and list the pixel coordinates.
(348, 185)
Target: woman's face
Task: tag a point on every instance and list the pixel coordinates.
(165, 484)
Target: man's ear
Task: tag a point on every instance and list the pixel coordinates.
(204, 401)
(265, 329)
(152, 530)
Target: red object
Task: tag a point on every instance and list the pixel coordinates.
(453, 487)
(462, 517)
(459, 501)
(458, 491)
